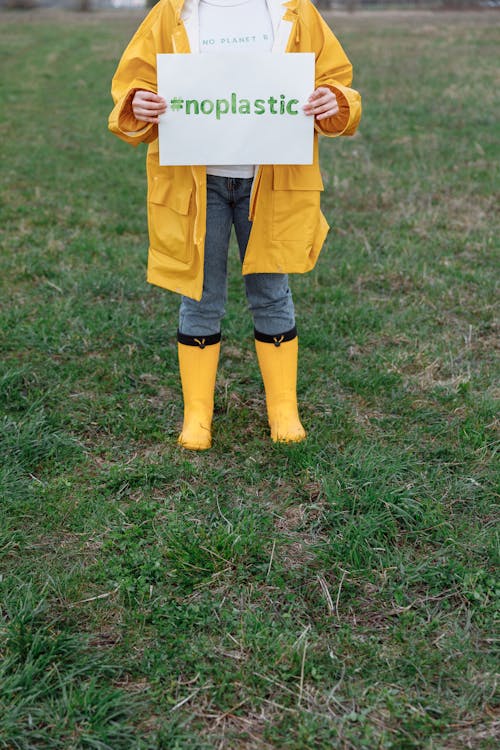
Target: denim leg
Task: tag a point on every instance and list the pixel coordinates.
(204, 317)
(268, 294)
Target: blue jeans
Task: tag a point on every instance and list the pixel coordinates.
(268, 295)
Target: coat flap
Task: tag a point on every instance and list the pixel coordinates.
(163, 193)
(297, 177)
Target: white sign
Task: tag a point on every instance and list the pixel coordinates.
(236, 109)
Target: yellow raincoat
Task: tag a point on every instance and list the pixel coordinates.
(288, 228)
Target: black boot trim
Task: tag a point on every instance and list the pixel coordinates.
(201, 341)
(278, 338)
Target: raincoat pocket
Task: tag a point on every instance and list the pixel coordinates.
(296, 202)
(170, 219)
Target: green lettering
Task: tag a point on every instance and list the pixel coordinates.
(192, 103)
(259, 106)
(233, 104)
(289, 107)
(272, 103)
(221, 107)
(207, 106)
(244, 108)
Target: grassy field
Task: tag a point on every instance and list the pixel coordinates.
(335, 594)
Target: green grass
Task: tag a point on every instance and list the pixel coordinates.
(340, 593)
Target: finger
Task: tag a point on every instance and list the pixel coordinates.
(330, 107)
(321, 106)
(148, 107)
(142, 114)
(317, 93)
(157, 103)
(150, 111)
(150, 96)
(326, 111)
(147, 118)
(328, 104)
(329, 113)
(146, 104)
(326, 100)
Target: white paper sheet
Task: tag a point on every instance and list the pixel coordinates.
(236, 109)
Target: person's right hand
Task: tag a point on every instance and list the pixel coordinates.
(147, 106)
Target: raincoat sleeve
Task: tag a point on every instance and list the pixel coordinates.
(334, 71)
(136, 70)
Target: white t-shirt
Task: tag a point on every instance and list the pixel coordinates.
(232, 26)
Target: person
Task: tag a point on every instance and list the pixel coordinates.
(275, 209)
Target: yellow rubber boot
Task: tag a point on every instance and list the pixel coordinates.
(198, 369)
(278, 365)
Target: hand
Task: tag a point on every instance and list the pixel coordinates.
(322, 104)
(147, 106)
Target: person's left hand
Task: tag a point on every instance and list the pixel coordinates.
(322, 103)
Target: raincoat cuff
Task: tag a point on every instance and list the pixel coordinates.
(347, 119)
(123, 122)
